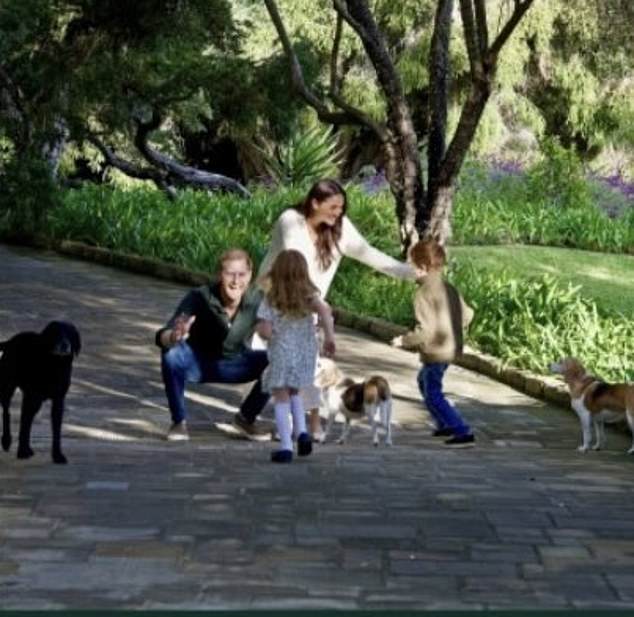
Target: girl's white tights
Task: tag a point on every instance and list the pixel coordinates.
(299, 415)
(283, 422)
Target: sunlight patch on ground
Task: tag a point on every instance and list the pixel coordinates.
(210, 401)
(119, 394)
(144, 425)
(600, 274)
(549, 269)
(96, 433)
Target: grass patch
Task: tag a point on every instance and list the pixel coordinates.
(607, 279)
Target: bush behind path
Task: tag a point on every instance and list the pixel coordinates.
(528, 323)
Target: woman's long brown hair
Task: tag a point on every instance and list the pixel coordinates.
(327, 237)
(288, 284)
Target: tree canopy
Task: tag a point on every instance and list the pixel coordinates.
(165, 89)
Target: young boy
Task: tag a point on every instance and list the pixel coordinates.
(441, 316)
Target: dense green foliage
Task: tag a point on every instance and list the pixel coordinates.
(306, 157)
(211, 70)
(526, 321)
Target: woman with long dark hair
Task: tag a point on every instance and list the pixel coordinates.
(319, 228)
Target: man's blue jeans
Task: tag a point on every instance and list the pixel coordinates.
(181, 364)
(445, 415)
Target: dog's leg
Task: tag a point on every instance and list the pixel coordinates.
(5, 397)
(332, 414)
(386, 417)
(586, 428)
(629, 414)
(599, 434)
(344, 431)
(370, 412)
(57, 413)
(6, 426)
(30, 406)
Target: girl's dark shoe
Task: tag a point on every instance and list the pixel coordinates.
(282, 456)
(304, 444)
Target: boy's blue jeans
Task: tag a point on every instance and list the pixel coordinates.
(445, 415)
(181, 364)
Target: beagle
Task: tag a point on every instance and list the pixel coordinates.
(371, 398)
(596, 402)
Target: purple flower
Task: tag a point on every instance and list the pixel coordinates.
(375, 183)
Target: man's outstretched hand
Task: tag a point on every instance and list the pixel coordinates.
(181, 327)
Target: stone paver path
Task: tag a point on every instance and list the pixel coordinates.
(520, 521)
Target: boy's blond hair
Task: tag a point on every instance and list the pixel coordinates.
(288, 285)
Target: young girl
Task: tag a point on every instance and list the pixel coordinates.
(286, 321)
(319, 228)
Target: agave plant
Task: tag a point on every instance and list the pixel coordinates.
(307, 156)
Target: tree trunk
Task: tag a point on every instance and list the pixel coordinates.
(439, 71)
(403, 168)
(442, 188)
(53, 149)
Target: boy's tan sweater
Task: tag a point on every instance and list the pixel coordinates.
(441, 316)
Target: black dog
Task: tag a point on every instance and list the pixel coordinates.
(40, 365)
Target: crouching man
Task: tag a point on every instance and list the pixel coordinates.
(206, 341)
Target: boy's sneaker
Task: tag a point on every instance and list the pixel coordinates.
(282, 456)
(178, 432)
(304, 444)
(442, 432)
(249, 429)
(462, 441)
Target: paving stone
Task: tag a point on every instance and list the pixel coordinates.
(105, 534)
(107, 486)
(623, 584)
(8, 567)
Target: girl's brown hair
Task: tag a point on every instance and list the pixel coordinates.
(428, 254)
(327, 237)
(289, 288)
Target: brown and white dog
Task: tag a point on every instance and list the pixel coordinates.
(371, 398)
(596, 402)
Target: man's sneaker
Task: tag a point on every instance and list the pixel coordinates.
(442, 432)
(178, 432)
(462, 441)
(249, 429)
(304, 444)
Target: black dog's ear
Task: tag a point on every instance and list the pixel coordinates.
(51, 334)
(75, 339)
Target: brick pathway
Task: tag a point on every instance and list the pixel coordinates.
(521, 521)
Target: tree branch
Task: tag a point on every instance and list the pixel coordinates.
(521, 6)
(471, 37)
(482, 26)
(334, 56)
(297, 76)
(439, 71)
(128, 168)
(177, 172)
(351, 114)
(17, 100)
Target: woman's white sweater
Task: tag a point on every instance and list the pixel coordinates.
(291, 232)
